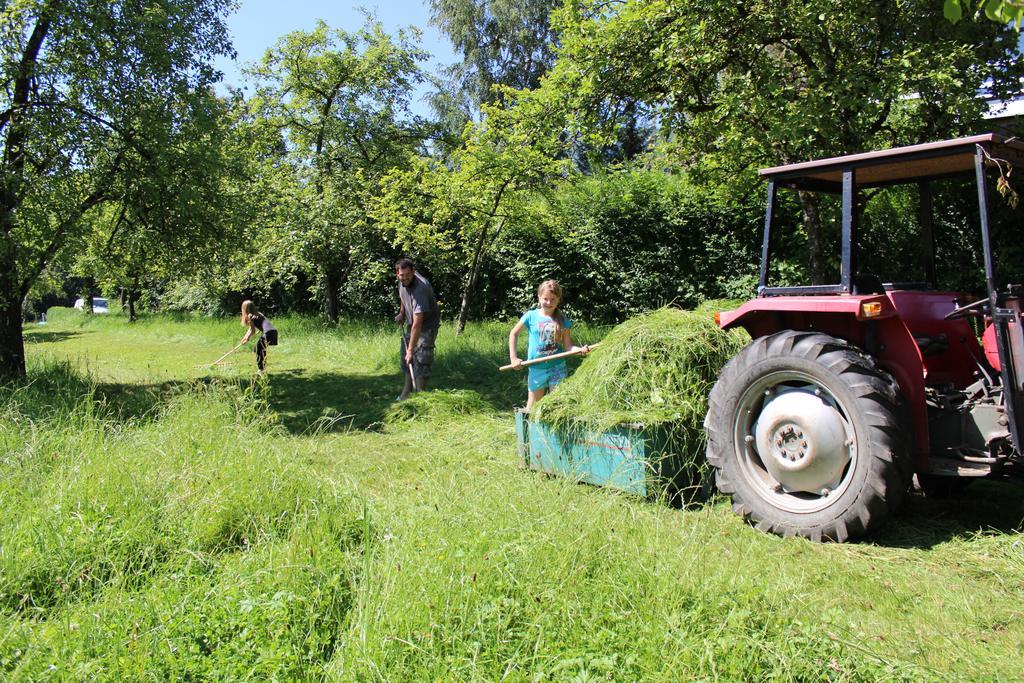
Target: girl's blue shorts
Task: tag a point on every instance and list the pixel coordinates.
(546, 375)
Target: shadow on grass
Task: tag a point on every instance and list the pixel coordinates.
(314, 401)
(984, 507)
(310, 401)
(37, 336)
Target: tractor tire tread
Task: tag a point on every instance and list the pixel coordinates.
(875, 393)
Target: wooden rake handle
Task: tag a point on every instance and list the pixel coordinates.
(554, 356)
(217, 362)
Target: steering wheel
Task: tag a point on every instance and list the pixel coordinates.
(973, 308)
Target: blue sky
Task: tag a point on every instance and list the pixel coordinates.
(257, 25)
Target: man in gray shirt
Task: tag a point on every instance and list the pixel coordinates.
(421, 318)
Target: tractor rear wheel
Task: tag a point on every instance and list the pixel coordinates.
(804, 433)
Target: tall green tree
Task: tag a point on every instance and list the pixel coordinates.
(94, 92)
(506, 46)
(341, 103)
(176, 217)
(457, 208)
(738, 85)
(502, 42)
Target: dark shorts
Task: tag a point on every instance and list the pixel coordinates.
(266, 339)
(422, 355)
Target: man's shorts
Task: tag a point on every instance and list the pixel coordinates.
(422, 355)
(546, 375)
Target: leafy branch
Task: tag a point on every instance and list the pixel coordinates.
(1002, 11)
(1003, 186)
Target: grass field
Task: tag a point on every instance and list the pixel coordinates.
(162, 521)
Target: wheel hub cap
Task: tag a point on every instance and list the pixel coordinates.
(802, 441)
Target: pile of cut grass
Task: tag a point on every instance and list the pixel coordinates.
(436, 405)
(654, 370)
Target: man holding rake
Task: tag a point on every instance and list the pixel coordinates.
(419, 313)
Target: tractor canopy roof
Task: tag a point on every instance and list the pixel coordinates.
(914, 163)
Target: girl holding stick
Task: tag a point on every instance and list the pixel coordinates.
(548, 334)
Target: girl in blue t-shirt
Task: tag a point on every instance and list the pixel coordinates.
(548, 332)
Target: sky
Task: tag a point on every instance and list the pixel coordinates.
(258, 24)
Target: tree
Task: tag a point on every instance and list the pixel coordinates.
(503, 42)
(172, 219)
(341, 103)
(507, 46)
(625, 241)
(459, 207)
(738, 85)
(94, 92)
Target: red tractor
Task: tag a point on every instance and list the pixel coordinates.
(848, 390)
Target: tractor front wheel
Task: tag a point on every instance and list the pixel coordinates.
(804, 434)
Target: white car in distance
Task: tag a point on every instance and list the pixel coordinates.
(98, 305)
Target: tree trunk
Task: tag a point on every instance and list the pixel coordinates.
(12, 345)
(478, 256)
(133, 296)
(815, 246)
(332, 284)
(471, 281)
(467, 294)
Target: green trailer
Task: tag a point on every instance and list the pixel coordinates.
(629, 457)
